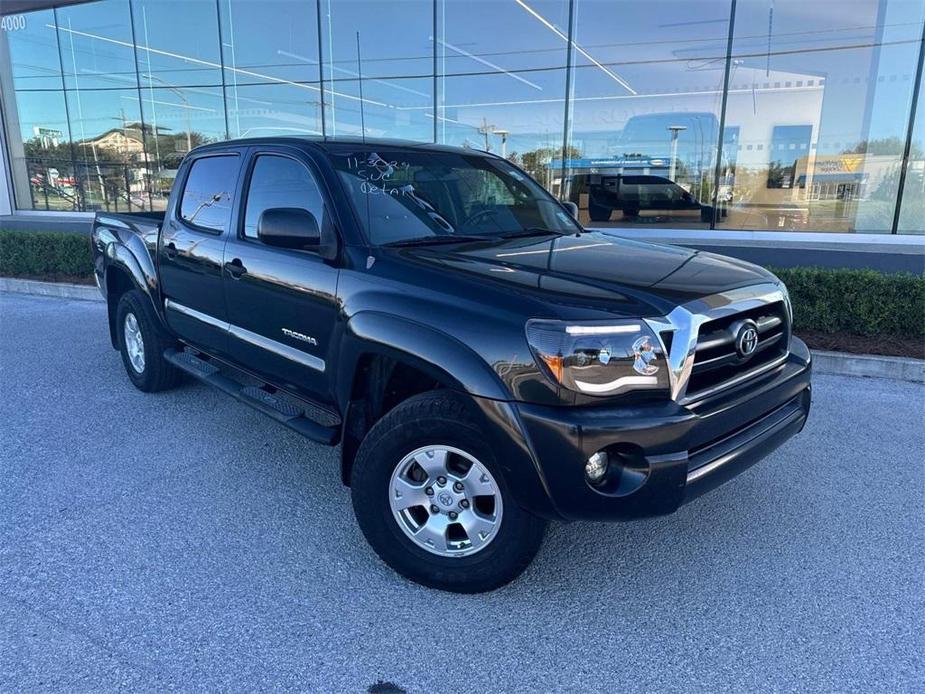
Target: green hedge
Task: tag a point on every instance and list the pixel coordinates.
(46, 255)
(856, 302)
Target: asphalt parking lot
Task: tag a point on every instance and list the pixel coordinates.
(183, 541)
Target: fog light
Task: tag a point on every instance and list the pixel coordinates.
(596, 467)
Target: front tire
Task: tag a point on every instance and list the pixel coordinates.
(142, 342)
(465, 535)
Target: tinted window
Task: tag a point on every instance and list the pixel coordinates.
(280, 182)
(209, 189)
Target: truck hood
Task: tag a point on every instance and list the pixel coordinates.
(595, 270)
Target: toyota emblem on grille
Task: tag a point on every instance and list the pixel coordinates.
(747, 340)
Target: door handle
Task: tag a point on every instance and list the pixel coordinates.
(236, 268)
(171, 250)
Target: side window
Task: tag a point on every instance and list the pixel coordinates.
(209, 188)
(280, 182)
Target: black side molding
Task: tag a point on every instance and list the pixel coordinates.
(308, 419)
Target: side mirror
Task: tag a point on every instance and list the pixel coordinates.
(571, 207)
(288, 227)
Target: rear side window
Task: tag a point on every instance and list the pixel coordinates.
(209, 188)
(280, 182)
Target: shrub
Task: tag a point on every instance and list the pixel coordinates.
(856, 302)
(46, 255)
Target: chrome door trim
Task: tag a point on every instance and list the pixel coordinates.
(198, 315)
(685, 322)
(277, 348)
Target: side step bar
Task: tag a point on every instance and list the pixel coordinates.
(298, 415)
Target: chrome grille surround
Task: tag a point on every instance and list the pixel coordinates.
(684, 324)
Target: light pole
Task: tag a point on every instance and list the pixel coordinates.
(503, 135)
(675, 131)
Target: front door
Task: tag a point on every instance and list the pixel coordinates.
(282, 303)
(191, 248)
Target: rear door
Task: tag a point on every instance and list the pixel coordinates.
(282, 303)
(191, 248)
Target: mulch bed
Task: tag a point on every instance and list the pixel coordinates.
(863, 344)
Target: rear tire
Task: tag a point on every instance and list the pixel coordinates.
(470, 562)
(142, 342)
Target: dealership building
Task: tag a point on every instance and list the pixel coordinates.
(784, 124)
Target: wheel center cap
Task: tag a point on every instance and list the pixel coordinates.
(446, 499)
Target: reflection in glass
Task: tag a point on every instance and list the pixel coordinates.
(177, 43)
(816, 118)
(42, 167)
(108, 147)
(29, 53)
(821, 103)
(912, 210)
(503, 89)
(274, 109)
(176, 120)
(390, 39)
(383, 107)
(96, 45)
(269, 41)
(646, 111)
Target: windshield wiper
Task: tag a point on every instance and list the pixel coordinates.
(433, 240)
(531, 231)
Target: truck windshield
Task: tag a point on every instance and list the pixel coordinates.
(419, 196)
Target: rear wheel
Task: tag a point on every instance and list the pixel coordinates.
(430, 499)
(142, 342)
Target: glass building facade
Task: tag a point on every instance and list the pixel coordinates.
(781, 115)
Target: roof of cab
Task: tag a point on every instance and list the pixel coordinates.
(337, 144)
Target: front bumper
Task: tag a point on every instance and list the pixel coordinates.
(670, 453)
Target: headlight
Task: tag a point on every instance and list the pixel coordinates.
(599, 358)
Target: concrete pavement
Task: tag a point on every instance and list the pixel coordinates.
(183, 541)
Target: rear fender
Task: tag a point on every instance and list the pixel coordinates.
(127, 257)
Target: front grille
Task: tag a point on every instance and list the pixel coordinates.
(717, 364)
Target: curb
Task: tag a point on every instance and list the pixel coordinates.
(60, 290)
(869, 365)
(833, 363)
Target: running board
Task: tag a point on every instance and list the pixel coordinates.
(312, 421)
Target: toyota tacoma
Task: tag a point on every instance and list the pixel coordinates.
(485, 363)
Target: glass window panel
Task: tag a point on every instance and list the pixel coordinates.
(96, 45)
(491, 112)
(209, 191)
(269, 41)
(389, 107)
(280, 182)
(647, 91)
(394, 38)
(108, 142)
(181, 118)
(29, 51)
(912, 211)
(502, 83)
(273, 109)
(177, 43)
(38, 141)
(820, 96)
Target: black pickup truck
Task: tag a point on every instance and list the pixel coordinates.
(485, 364)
